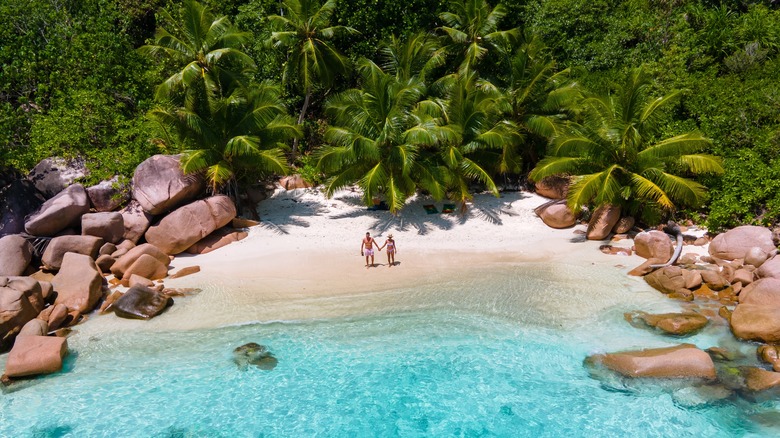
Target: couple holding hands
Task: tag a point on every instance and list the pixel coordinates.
(367, 249)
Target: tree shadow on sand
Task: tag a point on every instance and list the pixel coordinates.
(485, 207)
(297, 209)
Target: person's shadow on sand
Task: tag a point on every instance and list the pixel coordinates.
(376, 265)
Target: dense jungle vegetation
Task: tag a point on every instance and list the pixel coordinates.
(642, 100)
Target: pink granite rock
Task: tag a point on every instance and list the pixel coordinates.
(78, 283)
(602, 222)
(682, 361)
(33, 355)
(108, 225)
(653, 244)
(15, 254)
(188, 224)
(58, 213)
(159, 185)
(735, 243)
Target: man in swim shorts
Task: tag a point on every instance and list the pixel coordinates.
(367, 248)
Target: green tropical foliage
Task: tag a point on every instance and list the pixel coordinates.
(206, 54)
(72, 82)
(305, 33)
(615, 159)
(415, 56)
(472, 26)
(541, 96)
(377, 138)
(225, 127)
(480, 142)
(377, 22)
(241, 136)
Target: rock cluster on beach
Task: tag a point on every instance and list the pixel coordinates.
(557, 214)
(735, 285)
(66, 249)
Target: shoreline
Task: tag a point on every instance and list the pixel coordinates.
(303, 261)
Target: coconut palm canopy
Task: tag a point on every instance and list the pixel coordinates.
(304, 31)
(206, 51)
(225, 126)
(472, 27)
(615, 157)
(414, 56)
(376, 138)
(305, 34)
(481, 141)
(243, 134)
(542, 97)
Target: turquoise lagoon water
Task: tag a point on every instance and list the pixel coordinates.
(498, 362)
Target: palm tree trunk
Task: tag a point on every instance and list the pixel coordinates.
(300, 121)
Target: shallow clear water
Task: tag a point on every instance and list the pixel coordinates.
(474, 367)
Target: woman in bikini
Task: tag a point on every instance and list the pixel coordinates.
(391, 250)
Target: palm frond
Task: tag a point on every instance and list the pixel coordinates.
(586, 188)
(193, 161)
(270, 161)
(457, 36)
(677, 146)
(647, 190)
(373, 180)
(679, 189)
(476, 172)
(242, 145)
(699, 164)
(574, 144)
(332, 158)
(218, 174)
(545, 126)
(649, 115)
(396, 198)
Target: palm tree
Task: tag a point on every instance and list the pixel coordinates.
(414, 56)
(541, 96)
(206, 52)
(377, 138)
(472, 26)
(481, 141)
(616, 159)
(226, 129)
(305, 33)
(242, 136)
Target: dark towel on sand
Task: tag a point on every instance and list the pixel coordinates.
(430, 209)
(381, 206)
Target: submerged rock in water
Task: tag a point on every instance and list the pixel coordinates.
(254, 354)
(676, 324)
(694, 396)
(759, 379)
(678, 362)
(768, 419)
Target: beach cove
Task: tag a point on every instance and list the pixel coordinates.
(480, 330)
(305, 255)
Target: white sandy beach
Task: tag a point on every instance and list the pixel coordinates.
(303, 262)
